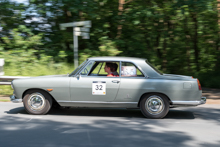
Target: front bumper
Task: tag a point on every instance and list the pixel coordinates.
(189, 103)
(15, 100)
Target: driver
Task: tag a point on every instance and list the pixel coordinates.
(110, 68)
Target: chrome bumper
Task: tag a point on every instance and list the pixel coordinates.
(203, 100)
(15, 100)
(189, 103)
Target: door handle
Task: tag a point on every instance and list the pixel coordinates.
(115, 81)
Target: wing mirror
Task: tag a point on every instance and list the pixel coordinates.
(78, 76)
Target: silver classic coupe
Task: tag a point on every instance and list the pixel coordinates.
(117, 82)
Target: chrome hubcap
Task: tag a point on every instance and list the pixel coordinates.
(154, 105)
(36, 101)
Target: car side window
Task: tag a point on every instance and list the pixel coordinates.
(86, 69)
(130, 70)
(99, 69)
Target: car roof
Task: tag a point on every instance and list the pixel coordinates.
(116, 59)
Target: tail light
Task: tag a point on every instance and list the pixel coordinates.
(199, 85)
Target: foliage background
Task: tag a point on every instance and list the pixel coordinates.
(177, 36)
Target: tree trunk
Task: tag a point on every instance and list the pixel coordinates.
(120, 10)
(195, 41)
(218, 8)
(121, 4)
(159, 55)
(164, 65)
(218, 39)
(187, 40)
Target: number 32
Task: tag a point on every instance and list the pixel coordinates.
(98, 87)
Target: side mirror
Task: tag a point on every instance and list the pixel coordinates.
(78, 76)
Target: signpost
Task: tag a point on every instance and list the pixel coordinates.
(80, 28)
(2, 62)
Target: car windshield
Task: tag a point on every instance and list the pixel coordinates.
(154, 68)
(78, 68)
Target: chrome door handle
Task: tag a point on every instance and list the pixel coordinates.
(115, 81)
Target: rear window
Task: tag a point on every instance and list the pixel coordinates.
(130, 70)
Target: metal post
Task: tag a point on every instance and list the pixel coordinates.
(2, 62)
(75, 50)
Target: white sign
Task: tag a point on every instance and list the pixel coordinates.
(82, 29)
(75, 24)
(83, 34)
(98, 88)
(77, 32)
(129, 71)
(2, 62)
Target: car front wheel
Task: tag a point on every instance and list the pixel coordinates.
(37, 102)
(154, 106)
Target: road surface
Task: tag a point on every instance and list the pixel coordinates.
(93, 127)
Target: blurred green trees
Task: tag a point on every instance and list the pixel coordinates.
(177, 36)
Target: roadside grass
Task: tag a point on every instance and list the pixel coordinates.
(6, 90)
(32, 71)
(4, 100)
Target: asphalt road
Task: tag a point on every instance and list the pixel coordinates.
(87, 127)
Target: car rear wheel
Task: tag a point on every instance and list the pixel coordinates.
(37, 102)
(154, 106)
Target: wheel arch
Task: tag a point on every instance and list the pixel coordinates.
(143, 95)
(40, 90)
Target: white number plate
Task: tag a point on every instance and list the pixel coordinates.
(99, 88)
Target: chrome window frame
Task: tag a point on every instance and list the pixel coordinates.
(91, 61)
(81, 68)
(120, 64)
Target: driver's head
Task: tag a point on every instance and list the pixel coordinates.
(109, 67)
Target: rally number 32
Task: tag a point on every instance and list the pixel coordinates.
(98, 87)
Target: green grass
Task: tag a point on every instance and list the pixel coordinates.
(38, 70)
(6, 90)
(32, 71)
(4, 100)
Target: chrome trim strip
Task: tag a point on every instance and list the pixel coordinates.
(190, 103)
(97, 102)
(186, 102)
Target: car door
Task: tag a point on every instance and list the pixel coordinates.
(133, 83)
(93, 87)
